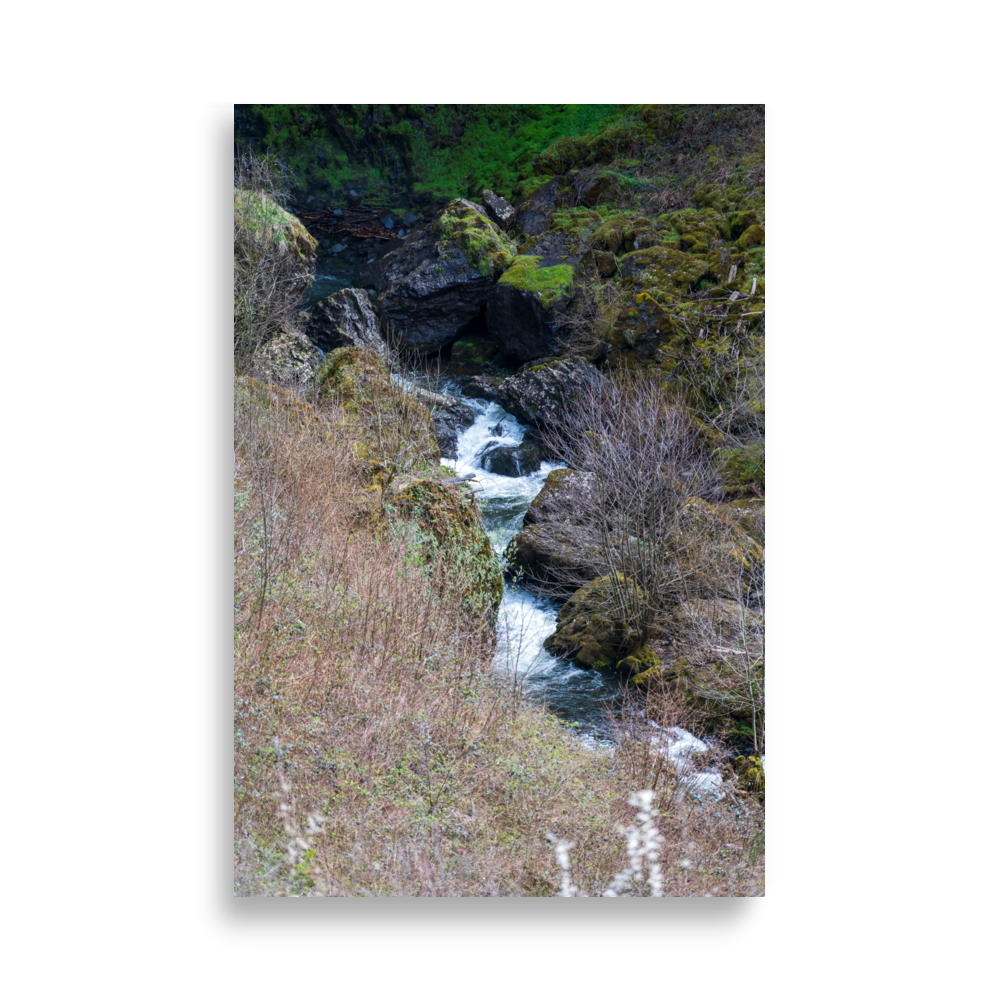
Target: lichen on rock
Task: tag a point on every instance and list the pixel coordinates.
(345, 319)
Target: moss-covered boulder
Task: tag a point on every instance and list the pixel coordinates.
(715, 691)
(593, 628)
(534, 308)
(273, 261)
(485, 245)
(431, 288)
(449, 532)
(261, 216)
(527, 310)
(384, 422)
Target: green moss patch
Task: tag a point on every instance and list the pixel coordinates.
(663, 271)
(743, 470)
(551, 283)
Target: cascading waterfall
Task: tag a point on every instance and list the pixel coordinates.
(525, 620)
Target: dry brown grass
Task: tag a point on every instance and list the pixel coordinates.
(376, 753)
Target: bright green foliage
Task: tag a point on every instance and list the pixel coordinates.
(486, 247)
(432, 153)
(551, 283)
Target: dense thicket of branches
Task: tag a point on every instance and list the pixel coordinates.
(649, 460)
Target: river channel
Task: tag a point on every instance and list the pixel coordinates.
(589, 698)
(586, 697)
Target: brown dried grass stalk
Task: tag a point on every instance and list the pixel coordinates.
(376, 753)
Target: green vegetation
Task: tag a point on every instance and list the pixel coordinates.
(431, 153)
(551, 283)
(486, 248)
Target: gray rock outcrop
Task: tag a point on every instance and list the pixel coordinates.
(560, 545)
(501, 211)
(505, 458)
(345, 319)
(536, 393)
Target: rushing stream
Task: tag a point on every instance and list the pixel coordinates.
(588, 698)
(525, 620)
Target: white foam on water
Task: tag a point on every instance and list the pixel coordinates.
(678, 746)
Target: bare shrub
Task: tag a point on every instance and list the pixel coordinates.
(648, 459)
(269, 275)
(722, 366)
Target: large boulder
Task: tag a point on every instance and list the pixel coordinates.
(345, 319)
(483, 387)
(568, 497)
(450, 532)
(271, 242)
(594, 628)
(530, 313)
(560, 546)
(288, 357)
(261, 216)
(535, 213)
(450, 415)
(384, 422)
(507, 459)
(556, 558)
(538, 393)
(528, 309)
(432, 287)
